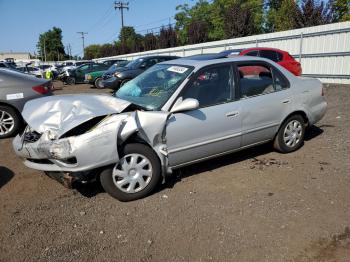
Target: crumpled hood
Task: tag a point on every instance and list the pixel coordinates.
(59, 114)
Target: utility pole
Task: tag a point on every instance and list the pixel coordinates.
(121, 6)
(69, 51)
(45, 48)
(83, 37)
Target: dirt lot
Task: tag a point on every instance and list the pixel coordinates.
(255, 205)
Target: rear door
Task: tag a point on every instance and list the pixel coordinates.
(213, 128)
(265, 97)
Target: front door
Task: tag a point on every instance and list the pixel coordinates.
(212, 129)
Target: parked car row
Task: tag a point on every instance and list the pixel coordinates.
(118, 74)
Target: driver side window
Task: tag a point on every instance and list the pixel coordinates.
(211, 86)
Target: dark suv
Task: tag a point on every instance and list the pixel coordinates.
(116, 77)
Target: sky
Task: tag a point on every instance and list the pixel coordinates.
(22, 21)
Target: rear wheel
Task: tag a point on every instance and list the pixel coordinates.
(135, 176)
(98, 83)
(10, 122)
(290, 137)
(70, 80)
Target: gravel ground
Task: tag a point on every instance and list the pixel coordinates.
(255, 205)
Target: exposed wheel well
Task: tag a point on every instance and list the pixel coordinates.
(135, 138)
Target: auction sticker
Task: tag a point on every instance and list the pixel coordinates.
(14, 96)
(178, 69)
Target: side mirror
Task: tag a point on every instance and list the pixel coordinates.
(186, 105)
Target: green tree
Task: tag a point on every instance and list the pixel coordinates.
(340, 10)
(284, 18)
(130, 40)
(312, 13)
(92, 51)
(188, 17)
(50, 43)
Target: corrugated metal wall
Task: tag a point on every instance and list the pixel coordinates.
(324, 51)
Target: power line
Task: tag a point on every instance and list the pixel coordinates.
(83, 38)
(157, 21)
(105, 15)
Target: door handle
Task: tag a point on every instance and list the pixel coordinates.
(287, 101)
(232, 114)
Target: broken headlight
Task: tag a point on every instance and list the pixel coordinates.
(60, 149)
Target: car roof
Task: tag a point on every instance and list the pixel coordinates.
(264, 48)
(187, 61)
(158, 56)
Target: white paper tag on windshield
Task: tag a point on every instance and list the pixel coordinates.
(178, 69)
(14, 96)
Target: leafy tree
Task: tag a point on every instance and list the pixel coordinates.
(283, 18)
(312, 13)
(198, 32)
(340, 10)
(92, 51)
(197, 16)
(167, 37)
(238, 21)
(51, 42)
(130, 41)
(150, 42)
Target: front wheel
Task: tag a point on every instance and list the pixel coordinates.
(290, 137)
(98, 83)
(135, 176)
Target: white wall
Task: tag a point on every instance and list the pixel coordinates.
(325, 49)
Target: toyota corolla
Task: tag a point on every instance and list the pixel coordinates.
(176, 113)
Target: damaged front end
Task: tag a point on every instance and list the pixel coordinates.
(73, 135)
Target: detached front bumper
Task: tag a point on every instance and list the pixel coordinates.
(89, 151)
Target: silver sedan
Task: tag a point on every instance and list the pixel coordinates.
(16, 89)
(176, 113)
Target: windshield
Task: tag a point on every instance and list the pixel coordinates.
(117, 65)
(154, 87)
(135, 63)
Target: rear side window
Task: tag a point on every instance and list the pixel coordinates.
(252, 53)
(279, 56)
(255, 80)
(269, 54)
(280, 82)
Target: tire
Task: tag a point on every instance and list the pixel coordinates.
(70, 81)
(10, 122)
(125, 176)
(290, 136)
(98, 83)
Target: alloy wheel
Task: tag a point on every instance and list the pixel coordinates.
(7, 123)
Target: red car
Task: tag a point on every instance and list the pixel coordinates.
(281, 57)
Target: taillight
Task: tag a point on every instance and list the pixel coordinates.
(322, 92)
(41, 89)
